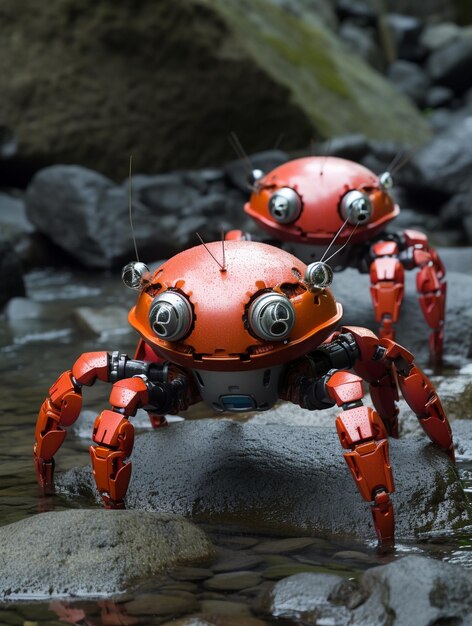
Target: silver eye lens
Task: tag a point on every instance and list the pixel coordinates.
(271, 316)
(386, 181)
(285, 205)
(318, 276)
(133, 273)
(356, 207)
(170, 316)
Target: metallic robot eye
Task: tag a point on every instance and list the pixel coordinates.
(271, 316)
(356, 207)
(133, 273)
(318, 276)
(285, 205)
(386, 181)
(170, 316)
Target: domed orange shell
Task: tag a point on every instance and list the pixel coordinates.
(219, 338)
(321, 182)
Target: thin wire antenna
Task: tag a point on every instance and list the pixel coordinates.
(394, 161)
(344, 244)
(222, 267)
(334, 239)
(130, 204)
(238, 148)
(401, 164)
(327, 155)
(279, 140)
(224, 250)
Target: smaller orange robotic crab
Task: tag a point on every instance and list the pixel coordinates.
(308, 203)
(240, 333)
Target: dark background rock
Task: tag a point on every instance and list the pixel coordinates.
(169, 83)
(280, 478)
(11, 273)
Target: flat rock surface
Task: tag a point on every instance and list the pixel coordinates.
(282, 478)
(93, 552)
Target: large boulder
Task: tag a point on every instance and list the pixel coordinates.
(280, 477)
(169, 82)
(93, 552)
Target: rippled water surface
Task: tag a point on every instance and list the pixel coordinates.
(41, 339)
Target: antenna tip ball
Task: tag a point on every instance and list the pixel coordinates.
(318, 276)
(133, 273)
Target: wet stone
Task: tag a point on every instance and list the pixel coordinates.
(239, 543)
(277, 572)
(191, 573)
(224, 607)
(233, 581)
(228, 562)
(351, 555)
(151, 604)
(283, 545)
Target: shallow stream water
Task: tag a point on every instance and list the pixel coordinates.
(40, 339)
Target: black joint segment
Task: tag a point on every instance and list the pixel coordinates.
(314, 395)
(352, 405)
(379, 354)
(340, 354)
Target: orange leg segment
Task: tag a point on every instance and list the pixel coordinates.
(387, 279)
(362, 430)
(115, 436)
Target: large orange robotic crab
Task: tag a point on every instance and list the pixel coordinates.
(239, 331)
(307, 202)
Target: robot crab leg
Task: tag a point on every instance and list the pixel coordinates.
(421, 396)
(114, 436)
(387, 278)
(430, 284)
(60, 410)
(362, 432)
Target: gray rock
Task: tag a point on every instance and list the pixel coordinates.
(281, 478)
(363, 12)
(411, 591)
(354, 147)
(445, 164)
(437, 10)
(450, 65)
(11, 273)
(438, 35)
(410, 79)
(462, 431)
(415, 591)
(8, 142)
(438, 96)
(406, 31)
(238, 172)
(362, 41)
(307, 597)
(93, 552)
(167, 193)
(87, 215)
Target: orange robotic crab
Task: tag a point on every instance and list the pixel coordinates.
(307, 202)
(239, 331)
